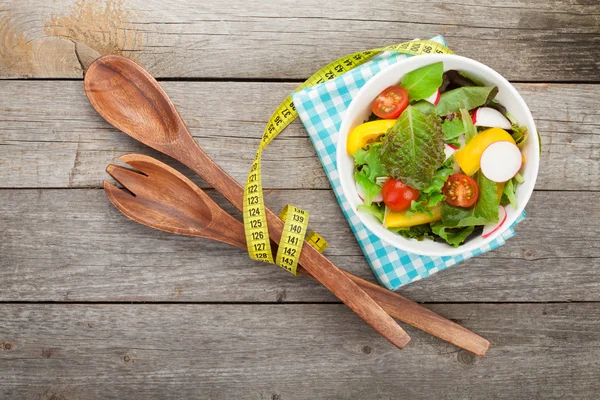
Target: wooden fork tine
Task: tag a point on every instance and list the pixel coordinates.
(141, 163)
(131, 180)
(119, 198)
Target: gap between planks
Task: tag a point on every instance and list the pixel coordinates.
(276, 303)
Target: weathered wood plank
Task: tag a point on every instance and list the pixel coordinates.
(291, 352)
(51, 137)
(72, 245)
(524, 40)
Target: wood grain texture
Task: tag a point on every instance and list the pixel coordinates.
(51, 137)
(72, 245)
(551, 351)
(524, 40)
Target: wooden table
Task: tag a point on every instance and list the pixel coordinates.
(96, 306)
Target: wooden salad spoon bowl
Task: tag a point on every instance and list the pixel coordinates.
(165, 199)
(129, 98)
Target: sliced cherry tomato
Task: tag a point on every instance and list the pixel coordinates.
(398, 196)
(390, 103)
(461, 191)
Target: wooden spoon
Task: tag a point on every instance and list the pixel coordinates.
(167, 200)
(129, 98)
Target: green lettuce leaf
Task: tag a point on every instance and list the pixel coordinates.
(508, 194)
(418, 232)
(432, 195)
(372, 189)
(468, 97)
(368, 168)
(454, 236)
(461, 124)
(422, 82)
(519, 133)
(455, 79)
(452, 129)
(369, 160)
(424, 106)
(373, 209)
(483, 212)
(413, 149)
(467, 121)
(441, 176)
(519, 178)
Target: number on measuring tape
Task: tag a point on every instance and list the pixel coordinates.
(255, 223)
(258, 235)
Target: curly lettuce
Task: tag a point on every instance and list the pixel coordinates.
(413, 149)
(453, 236)
(418, 232)
(432, 195)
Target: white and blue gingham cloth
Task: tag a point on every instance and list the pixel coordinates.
(321, 109)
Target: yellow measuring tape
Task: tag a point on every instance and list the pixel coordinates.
(296, 219)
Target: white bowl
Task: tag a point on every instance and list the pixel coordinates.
(360, 109)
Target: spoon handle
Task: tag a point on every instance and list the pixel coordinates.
(319, 267)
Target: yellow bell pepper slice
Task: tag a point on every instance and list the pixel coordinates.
(360, 136)
(500, 189)
(399, 219)
(469, 157)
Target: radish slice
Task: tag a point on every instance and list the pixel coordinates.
(491, 118)
(434, 98)
(361, 193)
(449, 150)
(490, 229)
(500, 161)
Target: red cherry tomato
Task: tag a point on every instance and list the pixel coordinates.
(390, 103)
(461, 191)
(398, 196)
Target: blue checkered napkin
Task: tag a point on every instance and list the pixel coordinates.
(321, 109)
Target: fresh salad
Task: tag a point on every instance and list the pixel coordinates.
(439, 157)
